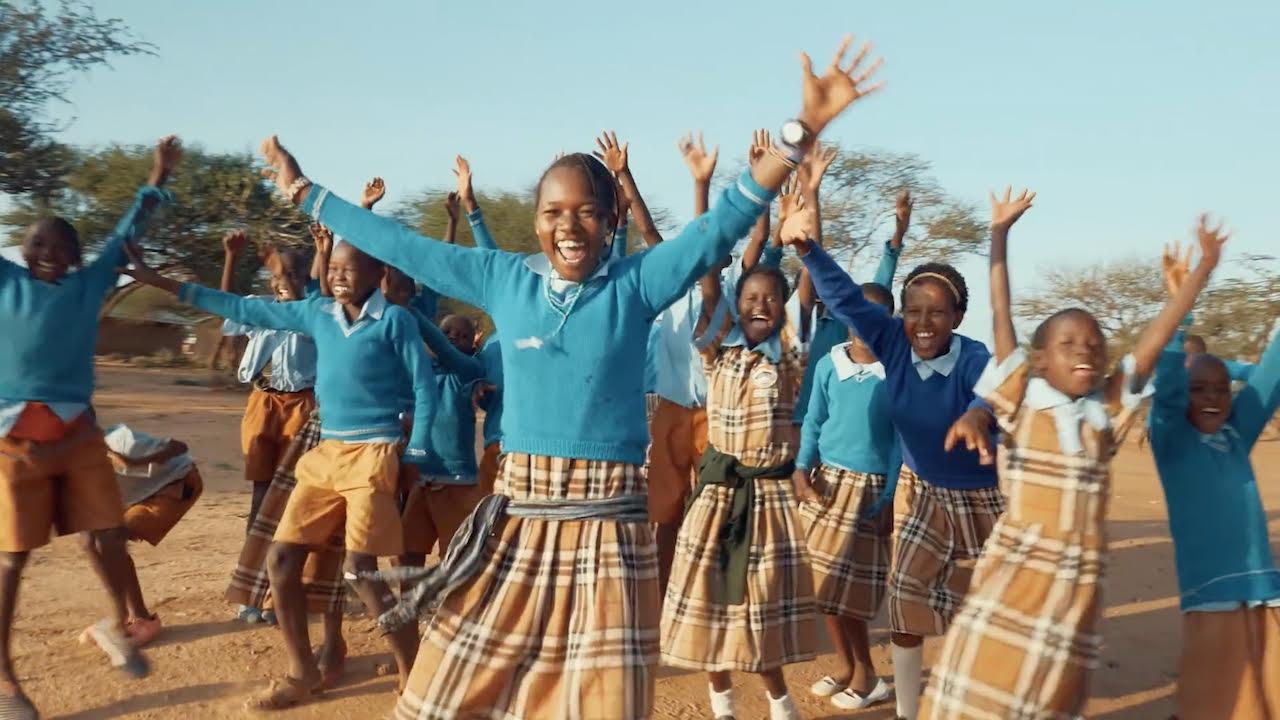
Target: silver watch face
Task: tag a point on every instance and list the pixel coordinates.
(792, 133)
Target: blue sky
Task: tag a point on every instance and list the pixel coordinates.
(1127, 118)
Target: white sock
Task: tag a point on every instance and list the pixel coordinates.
(782, 708)
(721, 702)
(907, 664)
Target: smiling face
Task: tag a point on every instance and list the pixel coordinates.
(291, 282)
(929, 317)
(1070, 353)
(50, 248)
(571, 221)
(1208, 394)
(353, 276)
(760, 307)
(461, 333)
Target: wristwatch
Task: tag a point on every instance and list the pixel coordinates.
(794, 139)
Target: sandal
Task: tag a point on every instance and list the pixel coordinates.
(17, 707)
(330, 676)
(281, 694)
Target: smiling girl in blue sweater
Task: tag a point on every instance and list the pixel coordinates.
(551, 602)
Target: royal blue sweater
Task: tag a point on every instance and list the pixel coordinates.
(361, 367)
(573, 372)
(51, 329)
(923, 410)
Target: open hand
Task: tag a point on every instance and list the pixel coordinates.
(701, 163)
(828, 95)
(760, 143)
(167, 154)
(902, 212)
(799, 227)
(611, 153)
(323, 238)
(234, 242)
(1211, 241)
(1006, 211)
(451, 202)
(973, 429)
(374, 190)
(1175, 264)
(802, 487)
(282, 168)
(790, 197)
(462, 172)
(815, 165)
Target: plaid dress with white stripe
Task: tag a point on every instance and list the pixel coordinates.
(850, 554)
(561, 622)
(750, 401)
(1024, 642)
(322, 574)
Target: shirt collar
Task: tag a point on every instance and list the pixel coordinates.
(943, 364)
(1221, 440)
(846, 368)
(1068, 413)
(770, 348)
(541, 264)
(373, 309)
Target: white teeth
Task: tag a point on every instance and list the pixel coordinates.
(572, 251)
(1083, 366)
(1211, 410)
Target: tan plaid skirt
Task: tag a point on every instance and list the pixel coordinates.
(938, 534)
(850, 555)
(322, 575)
(1026, 638)
(776, 625)
(562, 622)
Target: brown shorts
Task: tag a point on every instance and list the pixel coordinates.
(346, 485)
(271, 419)
(679, 439)
(434, 513)
(153, 518)
(68, 485)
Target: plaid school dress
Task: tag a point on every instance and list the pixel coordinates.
(322, 574)
(1026, 638)
(849, 552)
(750, 403)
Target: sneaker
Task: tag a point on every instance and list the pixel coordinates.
(251, 615)
(849, 700)
(142, 631)
(111, 640)
(269, 617)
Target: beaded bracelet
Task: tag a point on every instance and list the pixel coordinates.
(298, 185)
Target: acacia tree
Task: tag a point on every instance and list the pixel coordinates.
(41, 50)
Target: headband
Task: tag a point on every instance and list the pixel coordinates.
(951, 286)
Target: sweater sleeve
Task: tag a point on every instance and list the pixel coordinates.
(480, 231)
(1170, 399)
(468, 367)
(888, 266)
(1256, 404)
(671, 267)
(417, 365)
(844, 300)
(250, 311)
(1238, 371)
(457, 272)
(103, 271)
(807, 456)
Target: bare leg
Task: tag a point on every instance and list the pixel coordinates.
(110, 561)
(835, 628)
(666, 540)
(774, 682)
(332, 648)
(720, 681)
(11, 565)
(863, 677)
(377, 598)
(284, 567)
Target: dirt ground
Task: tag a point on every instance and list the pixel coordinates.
(205, 663)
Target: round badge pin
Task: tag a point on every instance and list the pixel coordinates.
(764, 377)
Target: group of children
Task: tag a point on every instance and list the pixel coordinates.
(799, 466)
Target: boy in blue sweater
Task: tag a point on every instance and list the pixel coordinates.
(849, 449)
(515, 634)
(367, 351)
(54, 471)
(947, 500)
(1227, 577)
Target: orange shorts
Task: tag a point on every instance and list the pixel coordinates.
(350, 486)
(1230, 666)
(434, 513)
(488, 475)
(271, 419)
(68, 485)
(153, 518)
(679, 439)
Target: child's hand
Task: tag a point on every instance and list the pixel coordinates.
(798, 228)
(167, 154)
(465, 191)
(270, 257)
(1176, 266)
(1211, 242)
(1005, 212)
(760, 143)
(374, 190)
(827, 96)
(451, 205)
(803, 488)
(815, 165)
(974, 430)
(138, 268)
(282, 168)
(613, 155)
(234, 242)
(902, 212)
(701, 163)
(323, 238)
(790, 197)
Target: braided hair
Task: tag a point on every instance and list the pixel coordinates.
(603, 189)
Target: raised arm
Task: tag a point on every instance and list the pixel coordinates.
(1169, 401)
(614, 157)
(408, 345)
(233, 244)
(104, 268)
(1156, 335)
(468, 367)
(702, 166)
(451, 210)
(479, 230)
(1257, 403)
(373, 192)
(755, 251)
(1004, 213)
(320, 265)
(888, 266)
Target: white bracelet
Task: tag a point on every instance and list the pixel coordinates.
(788, 159)
(299, 184)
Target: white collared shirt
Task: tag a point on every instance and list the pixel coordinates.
(1068, 414)
(771, 348)
(846, 368)
(372, 309)
(943, 364)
